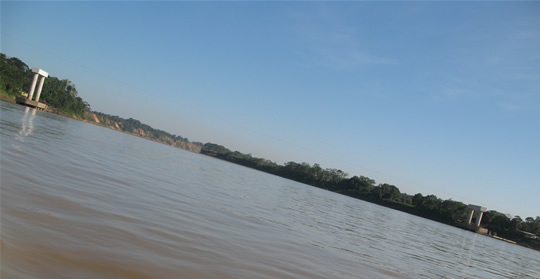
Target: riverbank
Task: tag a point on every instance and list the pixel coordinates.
(6, 98)
(13, 99)
(119, 124)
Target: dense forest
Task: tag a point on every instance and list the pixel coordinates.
(62, 96)
(430, 206)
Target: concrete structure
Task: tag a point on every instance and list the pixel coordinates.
(479, 216)
(38, 73)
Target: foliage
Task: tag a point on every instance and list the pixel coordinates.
(453, 211)
(361, 185)
(388, 192)
(13, 75)
(62, 95)
(496, 221)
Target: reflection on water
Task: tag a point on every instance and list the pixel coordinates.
(103, 204)
(467, 248)
(27, 122)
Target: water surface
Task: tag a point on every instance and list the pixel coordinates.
(82, 201)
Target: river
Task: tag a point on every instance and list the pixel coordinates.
(83, 201)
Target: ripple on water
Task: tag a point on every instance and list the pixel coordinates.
(80, 201)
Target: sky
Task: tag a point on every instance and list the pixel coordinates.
(436, 98)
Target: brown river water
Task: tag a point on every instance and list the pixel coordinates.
(82, 201)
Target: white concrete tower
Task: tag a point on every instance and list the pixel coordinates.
(37, 72)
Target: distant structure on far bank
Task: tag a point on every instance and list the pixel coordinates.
(474, 218)
(28, 100)
(479, 215)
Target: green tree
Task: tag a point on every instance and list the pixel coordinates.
(515, 224)
(62, 95)
(361, 185)
(536, 229)
(453, 211)
(431, 205)
(214, 149)
(405, 199)
(387, 192)
(417, 200)
(14, 74)
(496, 222)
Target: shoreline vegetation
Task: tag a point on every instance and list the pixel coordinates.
(62, 98)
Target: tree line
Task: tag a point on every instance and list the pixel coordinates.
(61, 94)
(430, 206)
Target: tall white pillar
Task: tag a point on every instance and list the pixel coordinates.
(39, 88)
(31, 92)
(479, 218)
(37, 72)
(469, 217)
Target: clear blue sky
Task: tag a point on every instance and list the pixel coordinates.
(434, 97)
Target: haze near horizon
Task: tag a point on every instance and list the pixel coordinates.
(434, 97)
